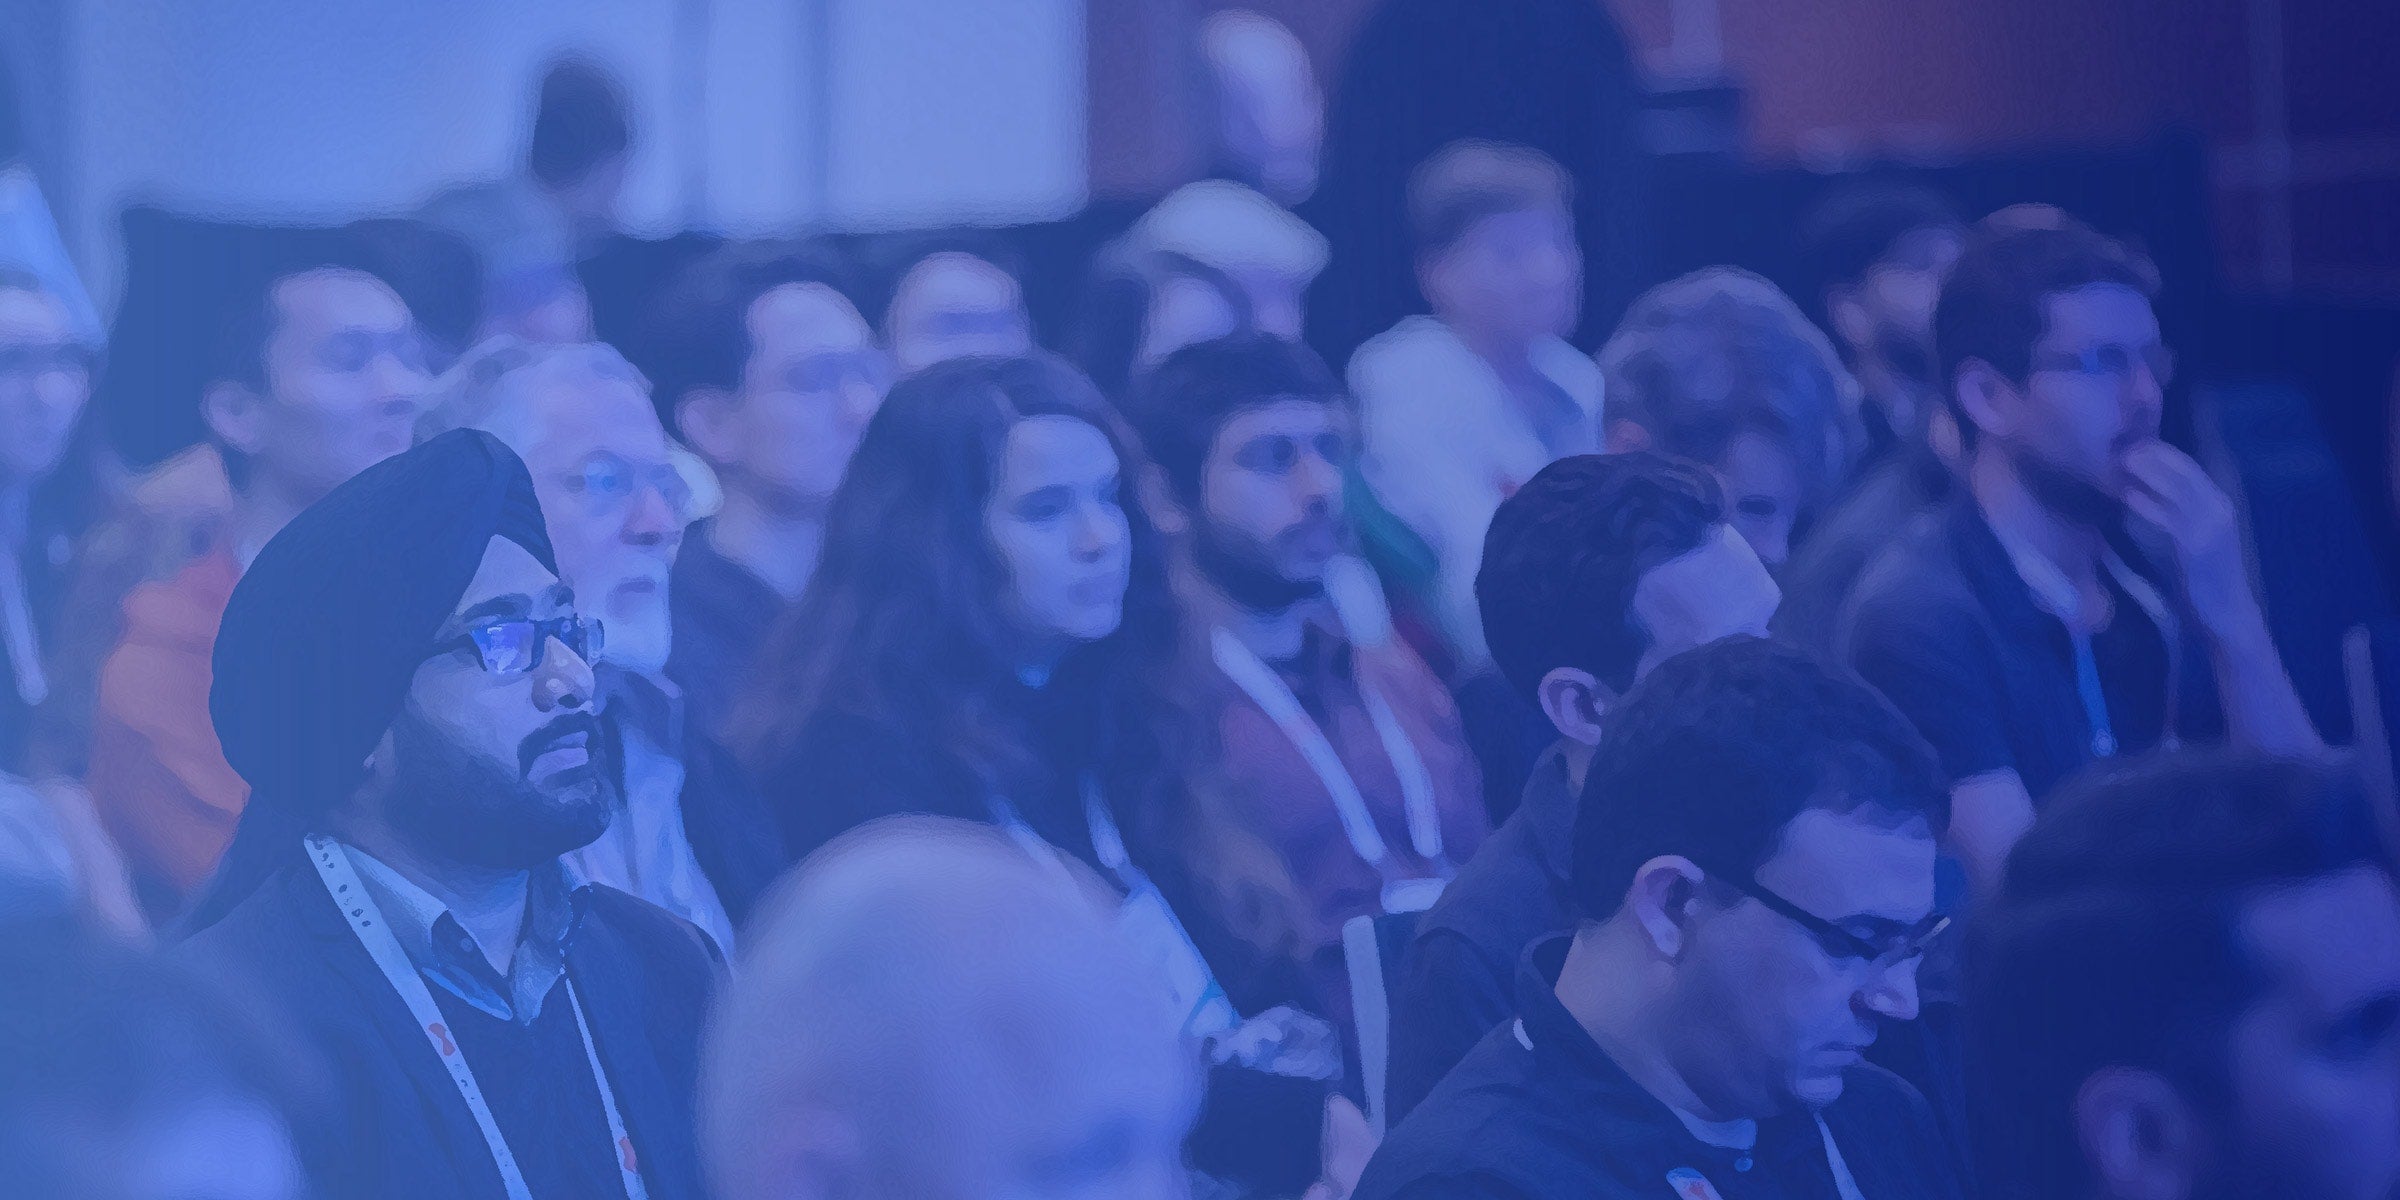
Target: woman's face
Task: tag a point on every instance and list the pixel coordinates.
(45, 378)
(1059, 526)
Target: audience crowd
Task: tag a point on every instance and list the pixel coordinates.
(820, 742)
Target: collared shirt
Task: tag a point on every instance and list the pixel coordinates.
(1947, 627)
(645, 851)
(722, 617)
(1540, 1111)
(449, 957)
(1458, 979)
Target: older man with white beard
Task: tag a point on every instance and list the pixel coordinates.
(692, 838)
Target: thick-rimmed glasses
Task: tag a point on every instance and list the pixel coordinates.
(1880, 953)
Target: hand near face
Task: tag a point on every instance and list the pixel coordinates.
(2170, 491)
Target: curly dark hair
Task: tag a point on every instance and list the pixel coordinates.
(1716, 750)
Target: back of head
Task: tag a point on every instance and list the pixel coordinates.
(1850, 231)
(970, 1011)
(1466, 181)
(2115, 940)
(579, 123)
(1566, 551)
(1180, 407)
(1716, 750)
(1994, 303)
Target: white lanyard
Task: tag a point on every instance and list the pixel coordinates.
(2054, 594)
(1273, 696)
(1843, 1181)
(366, 921)
(16, 627)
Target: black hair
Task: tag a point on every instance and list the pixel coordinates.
(1188, 398)
(579, 123)
(702, 319)
(1716, 750)
(1993, 306)
(1856, 227)
(1113, 315)
(2115, 941)
(1564, 554)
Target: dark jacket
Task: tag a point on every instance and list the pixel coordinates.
(396, 1126)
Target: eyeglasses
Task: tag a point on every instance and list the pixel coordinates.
(1879, 953)
(30, 362)
(2113, 362)
(607, 483)
(516, 646)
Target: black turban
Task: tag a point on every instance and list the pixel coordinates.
(328, 627)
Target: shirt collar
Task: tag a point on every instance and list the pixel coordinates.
(446, 954)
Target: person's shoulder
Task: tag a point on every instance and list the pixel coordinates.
(661, 940)
(1418, 357)
(1878, 1103)
(259, 940)
(1913, 584)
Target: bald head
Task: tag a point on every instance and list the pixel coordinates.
(926, 1010)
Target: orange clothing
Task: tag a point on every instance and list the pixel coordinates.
(160, 782)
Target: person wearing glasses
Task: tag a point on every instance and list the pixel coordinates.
(320, 374)
(1754, 870)
(407, 684)
(693, 837)
(2086, 594)
(771, 374)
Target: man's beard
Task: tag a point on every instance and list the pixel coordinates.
(476, 811)
(1245, 575)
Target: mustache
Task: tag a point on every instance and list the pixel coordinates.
(548, 736)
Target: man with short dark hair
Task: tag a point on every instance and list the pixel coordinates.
(1596, 571)
(318, 376)
(2023, 626)
(1753, 873)
(407, 686)
(771, 375)
(2189, 988)
(1339, 747)
(1460, 408)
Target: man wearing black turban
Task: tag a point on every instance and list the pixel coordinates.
(406, 686)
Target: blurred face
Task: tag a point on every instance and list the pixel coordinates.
(1184, 312)
(1278, 302)
(814, 379)
(45, 378)
(1060, 528)
(1762, 488)
(1271, 490)
(613, 501)
(1515, 277)
(346, 377)
(2314, 1065)
(1718, 590)
(502, 768)
(1777, 1014)
(1898, 293)
(2095, 393)
(953, 306)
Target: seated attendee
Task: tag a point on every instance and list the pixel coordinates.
(2189, 988)
(1270, 255)
(1460, 408)
(1753, 874)
(1720, 368)
(123, 1078)
(992, 637)
(693, 837)
(1597, 570)
(1270, 113)
(771, 375)
(1138, 307)
(913, 945)
(1337, 746)
(952, 304)
(2085, 594)
(48, 493)
(406, 684)
(1876, 255)
(318, 377)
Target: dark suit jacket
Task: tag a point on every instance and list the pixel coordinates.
(395, 1126)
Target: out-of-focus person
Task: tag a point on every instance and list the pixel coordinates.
(1754, 884)
(1138, 307)
(1720, 368)
(123, 1078)
(1460, 408)
(2086, 592)
(1338, 746)
(406, 684)
(50, 493)
(1596, 571)
(977, 1025)
(992, 637)
(319, 376)
(692, 837)
(2189, 988)
(1270, 255)
(771, 376)
(531, 228)
(1270, 113)
(953, 304)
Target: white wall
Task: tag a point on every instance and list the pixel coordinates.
(935, 111)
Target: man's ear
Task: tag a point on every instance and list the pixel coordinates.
(2140, 1136)
(236, 415)
(1663, 901)
(1575, 702)
(1986, 396)
(704, 414)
